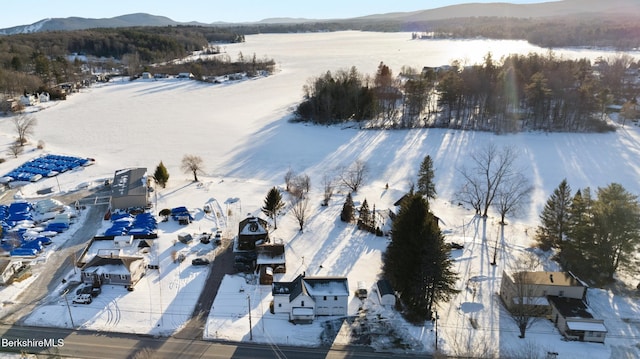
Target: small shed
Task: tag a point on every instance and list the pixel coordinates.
(386, 294)
(185, 237)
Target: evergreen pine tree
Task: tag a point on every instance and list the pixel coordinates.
(272, 205)
(161, 175)
(347, 209)
(617, 230)
(426, 186)
(364, 219)
(555, 217)
(576, 251)
(417, 262)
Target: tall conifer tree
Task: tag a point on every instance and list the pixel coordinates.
(555, 217)
(426, 186)
(417, 262)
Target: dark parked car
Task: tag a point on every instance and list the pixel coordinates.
(245, 262)
(200, 262)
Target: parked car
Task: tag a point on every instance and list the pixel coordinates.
(454, 245)
(95, 291)
(205, 238)
(82, 299)
(200, 262)
(218, 237)
(245, 262)
(85, 289)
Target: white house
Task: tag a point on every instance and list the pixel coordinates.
(307, 297)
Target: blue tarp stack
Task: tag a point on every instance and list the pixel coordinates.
(45, 166)
(120, 224)
(15, 219)
(141, 225)
(18, 211)
(178, 212)
(144, 224)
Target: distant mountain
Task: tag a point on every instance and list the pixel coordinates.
(572, 8)
(79, 23)
(503, 9)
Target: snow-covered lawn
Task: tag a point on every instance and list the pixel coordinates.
(242, 132)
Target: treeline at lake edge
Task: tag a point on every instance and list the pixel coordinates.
(539, 92)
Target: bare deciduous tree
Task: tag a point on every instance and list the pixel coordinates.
(192, 164)
(353, 176)
(300, 186)
(300, 210)
(328, 186)
(512, 194)
(15, 149)
(24, 125)
(524, 294)
(288, 177)
(491, 168)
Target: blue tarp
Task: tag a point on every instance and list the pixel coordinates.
(46, 166)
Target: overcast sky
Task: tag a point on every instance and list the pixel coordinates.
(14, 13)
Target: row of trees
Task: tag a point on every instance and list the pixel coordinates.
(38, 61)
(595, 236)
(519, 92)
(601, 30)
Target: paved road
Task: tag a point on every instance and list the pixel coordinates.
(89, 345)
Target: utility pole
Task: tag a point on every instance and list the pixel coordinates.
(68, 308)
(250, 326)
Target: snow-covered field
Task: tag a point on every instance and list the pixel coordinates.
(242, 133)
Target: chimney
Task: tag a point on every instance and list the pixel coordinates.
(551, 277)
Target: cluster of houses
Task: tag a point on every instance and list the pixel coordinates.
(305, 297)
(558, 296)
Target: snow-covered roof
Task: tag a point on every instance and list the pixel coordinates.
(565, 279)
(532, 300)
(586, 326)
(318, 286)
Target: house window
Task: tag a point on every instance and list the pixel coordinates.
(544, 293)
(106, 275)
(335, 297)
(561, 293)
(325, 297)
(302, 303)
(279, 305)
(123, 276)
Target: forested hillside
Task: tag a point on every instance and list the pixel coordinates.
(40, 60)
